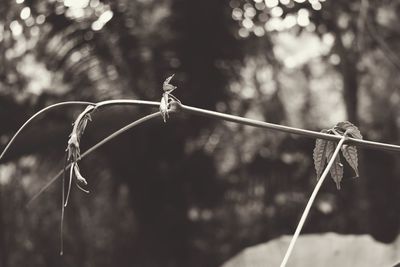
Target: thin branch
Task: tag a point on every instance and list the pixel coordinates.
(216, 115)
(207, 113)
(197, 111)
(118, 102)
(287, 129)
(80, 103)
(93, 148)
(63, 207)
(311, 201)
(383, 45)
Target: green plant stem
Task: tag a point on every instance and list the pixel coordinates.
(93, 148)
(287, 129)
(311, 201)
(69, 103)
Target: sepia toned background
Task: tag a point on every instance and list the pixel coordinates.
(194, 191)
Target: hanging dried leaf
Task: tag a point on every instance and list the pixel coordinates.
(167, 98)
(164, 107)
(80, 124)
(319, 155)
(79, 176)
(351, 129)
(350, 154)
(167, 87)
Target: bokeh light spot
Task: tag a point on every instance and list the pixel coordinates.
(40, 19)
(260, 6)
(237, 14)
(243, 32)
(76, 3)
(25, 13)
(259, 31)
(271, 3)
(16, 28)
(316, 6)
(289, 21)
(277, 11)
(247, 23)
(303, 17)
(250, 12)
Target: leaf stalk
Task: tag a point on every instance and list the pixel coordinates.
(311, 201)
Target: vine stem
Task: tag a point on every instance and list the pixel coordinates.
(206, 113)
(93, 148)
(70, 103)
(311, 201)
(286, 129)
(79, 103)
(215, 115)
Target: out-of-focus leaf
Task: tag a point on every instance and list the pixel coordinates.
(319, 155)
(350, 154)
(351, 129)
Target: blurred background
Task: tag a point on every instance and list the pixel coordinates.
(193, 191)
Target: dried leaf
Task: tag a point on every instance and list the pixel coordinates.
(350, 154)
(73, 147)
(164, 107)
(77, 132)
(69, 183)
(78, 175)
(167, 87)
(351, 129)
(319, 155)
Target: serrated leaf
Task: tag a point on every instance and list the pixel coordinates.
(336, 170)
(351, 129)
(350, 154)
(319, 155)
(330, 148)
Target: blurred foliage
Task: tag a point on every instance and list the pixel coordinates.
(194, 191)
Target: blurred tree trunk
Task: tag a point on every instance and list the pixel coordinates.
(350, 88)
(349, 72)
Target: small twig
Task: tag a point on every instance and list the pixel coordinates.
(80, 103)
(383, 45)
(217, 115)
(206, 113)
(118, 102)
(93, 148)
(311, 201)
(63, 207)
(287, 129)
